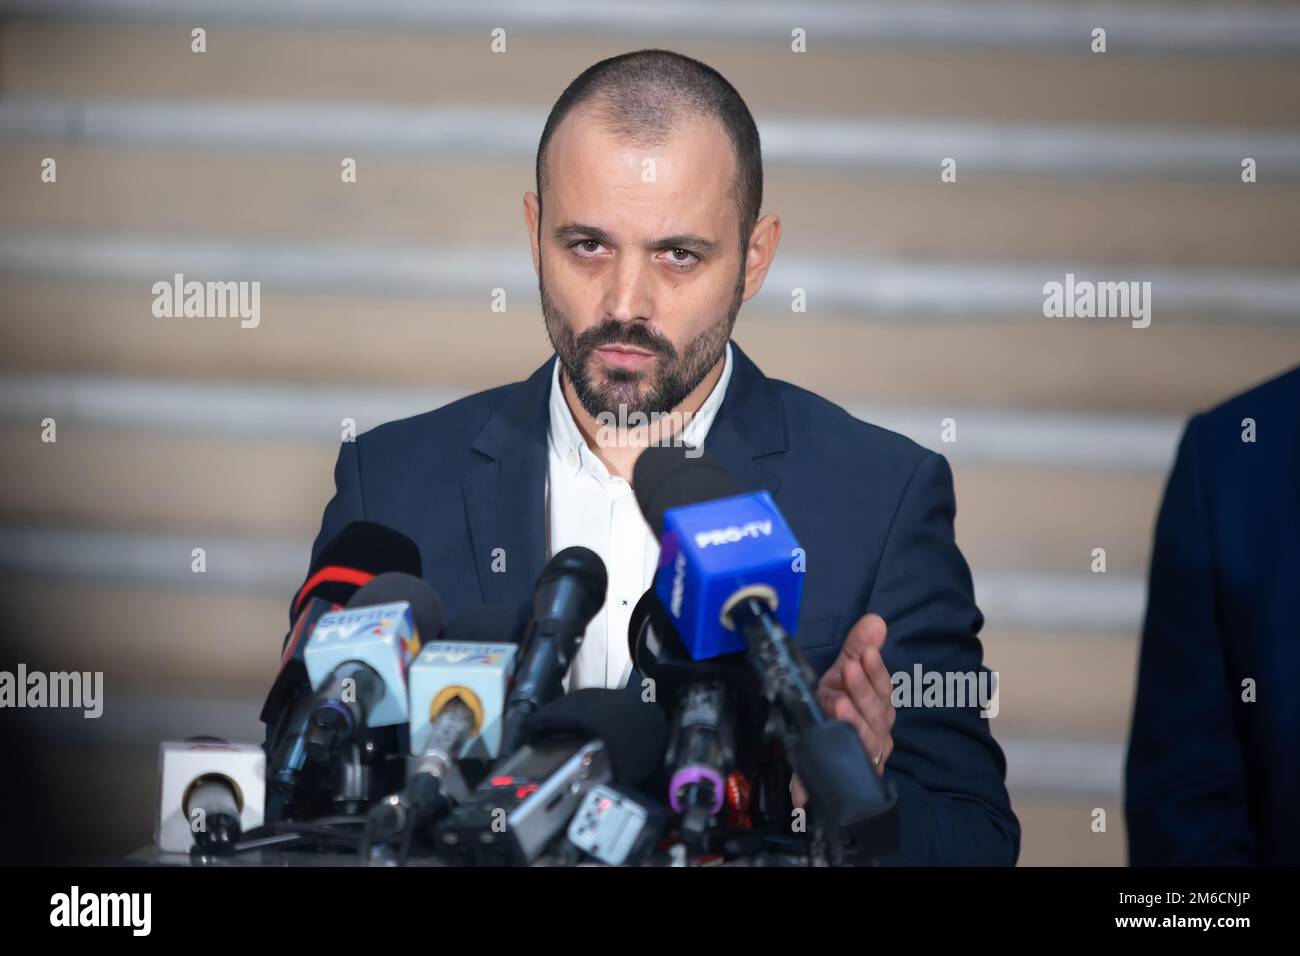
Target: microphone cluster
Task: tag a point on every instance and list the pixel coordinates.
(394, 737)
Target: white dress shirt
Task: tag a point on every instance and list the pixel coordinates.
(588, 506)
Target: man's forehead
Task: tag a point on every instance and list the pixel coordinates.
(686, 177)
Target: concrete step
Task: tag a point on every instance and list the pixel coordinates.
(80, 59)
(1063, 686)
(818, 284)
(256, 196)
(1172, 367)
(1059, 832)
(985, 148)
(151, 639)
(1154, 25)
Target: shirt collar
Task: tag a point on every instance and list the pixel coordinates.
(567, 441)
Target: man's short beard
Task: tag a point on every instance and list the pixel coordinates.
(677, 375)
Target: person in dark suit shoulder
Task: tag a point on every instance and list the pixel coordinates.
(1213, 765)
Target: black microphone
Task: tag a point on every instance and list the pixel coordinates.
(717, 711)
(856, 806)
(350, 560)
(666, 479)
(570, 591)
(368, 671)
(291, 679)
(700, 756)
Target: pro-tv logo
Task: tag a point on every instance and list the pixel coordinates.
(733, 533)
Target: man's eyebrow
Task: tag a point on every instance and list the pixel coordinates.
(687, 241)
(577, 231)
(574, 231)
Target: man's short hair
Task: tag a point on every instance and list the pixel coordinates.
(641, 96)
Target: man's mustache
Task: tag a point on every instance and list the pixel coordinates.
(633, 334)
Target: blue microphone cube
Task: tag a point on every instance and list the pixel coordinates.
(715, 551)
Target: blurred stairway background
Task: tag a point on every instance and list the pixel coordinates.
(924, 304)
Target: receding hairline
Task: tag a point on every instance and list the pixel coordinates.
(644, 98)
(678, 118)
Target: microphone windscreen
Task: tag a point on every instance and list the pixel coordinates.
(583, 566)
(356, 554)
(372, 547)
(665, 478)
(487, 624)
(635, 732)
(426, 606)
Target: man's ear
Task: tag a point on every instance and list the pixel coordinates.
(760, 252)
(532, 216)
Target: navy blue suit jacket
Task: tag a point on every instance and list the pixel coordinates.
(1212, 778)
(872, 510)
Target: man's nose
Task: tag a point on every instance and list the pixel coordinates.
(629, 295)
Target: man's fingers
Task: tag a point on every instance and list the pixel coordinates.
(853, 702)
(869, 631)
(870, 715)
(862, 693)
(844, 709)
(857, 688)
(878, 674)
(875, 742)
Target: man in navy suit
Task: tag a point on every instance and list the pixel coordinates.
(1213, 771)
(649, 241)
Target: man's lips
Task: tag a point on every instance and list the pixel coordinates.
(621, 356)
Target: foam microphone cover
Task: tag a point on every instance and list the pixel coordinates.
(577, 565)
(665, 478)
(426, 607)
(356, 554)
(635, 732)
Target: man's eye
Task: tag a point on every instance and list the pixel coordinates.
(682, 258)
(587, 248)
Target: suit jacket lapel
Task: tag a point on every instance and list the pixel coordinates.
(750, 425)
(505, 497)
